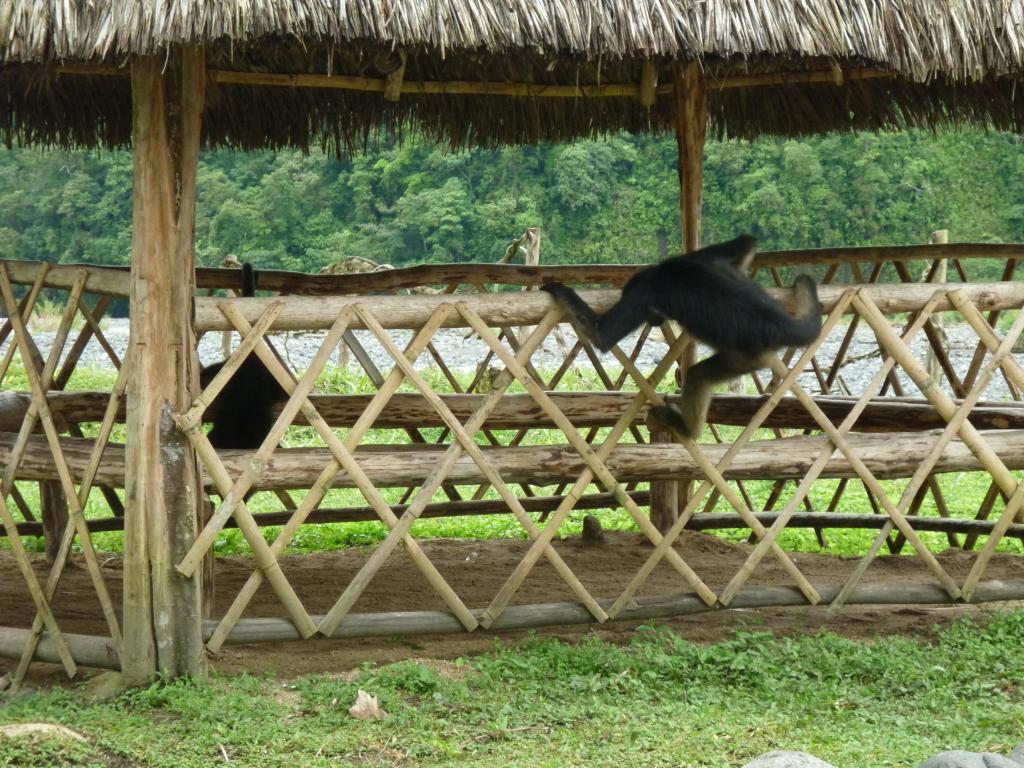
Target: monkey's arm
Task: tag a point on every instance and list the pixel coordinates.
(602, 331)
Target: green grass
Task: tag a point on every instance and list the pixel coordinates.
(660, 701)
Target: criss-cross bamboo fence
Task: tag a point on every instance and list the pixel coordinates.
(469, 446)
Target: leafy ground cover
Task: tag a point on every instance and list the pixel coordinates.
(659, 701)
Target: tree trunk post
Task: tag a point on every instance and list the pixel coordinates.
(691, 126)
(162, 609)
(53, 512)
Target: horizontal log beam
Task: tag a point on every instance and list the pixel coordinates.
(640, 609)
(584, 409)
(99, 652)
(510, 309)
(109, 281)
(882, 414)
(113, 280)
(888, 456)
(87, 650)
(515, 90)
(877, 253)
(281, 281)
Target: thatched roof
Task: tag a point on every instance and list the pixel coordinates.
(942, 61)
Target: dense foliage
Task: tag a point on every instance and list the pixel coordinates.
(597, 201)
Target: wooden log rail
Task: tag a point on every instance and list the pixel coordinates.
(100, 652)
(583, 409)
(315, 313)
(887, 456)
(113, 281)
(105, 281)
(640, 609)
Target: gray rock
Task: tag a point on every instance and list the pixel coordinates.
(784, 759)
(106, 686)
(1018, 754)
(958, 759)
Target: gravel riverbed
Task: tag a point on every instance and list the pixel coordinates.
(462, 354)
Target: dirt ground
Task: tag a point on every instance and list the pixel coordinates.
(477, 569)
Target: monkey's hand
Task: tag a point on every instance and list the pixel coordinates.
(669, 417)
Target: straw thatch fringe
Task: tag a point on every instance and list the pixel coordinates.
(962, 39)
(954, 61)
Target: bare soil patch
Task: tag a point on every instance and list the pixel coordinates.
(477, 569)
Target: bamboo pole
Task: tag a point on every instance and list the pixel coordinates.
(923, 473)
(970, 436)
(595, 463)
(433, 480)
(938, 275)
(388, 86)
(341, 457)
(993, 317)
(816, 468)
(25, 308)
(714, 476)
(1010, 367)
(465, 439)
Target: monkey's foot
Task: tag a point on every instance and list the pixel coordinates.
(673, 419)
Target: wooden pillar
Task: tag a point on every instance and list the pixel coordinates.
(162, 611)
(691, 127)
(53, 513)
(665, 495)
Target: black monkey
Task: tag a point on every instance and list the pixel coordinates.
(706, 292)
(242, 414)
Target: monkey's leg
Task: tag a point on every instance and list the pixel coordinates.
(621, 320)
(606, 330)
(700, 382)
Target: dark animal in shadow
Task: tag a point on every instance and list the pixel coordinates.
(243, 412)
(709, 294)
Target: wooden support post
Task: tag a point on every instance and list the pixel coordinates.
(664, 493)
(162, 609)
(691, 126)
(54, 514)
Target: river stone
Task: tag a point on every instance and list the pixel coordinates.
(784, 759)
(958, 759)
(1018, 754)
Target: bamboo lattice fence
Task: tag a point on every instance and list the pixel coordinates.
(469, 442)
